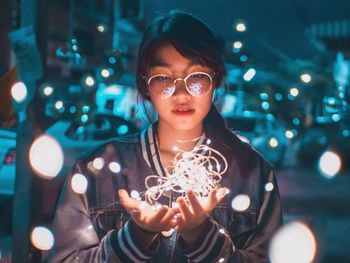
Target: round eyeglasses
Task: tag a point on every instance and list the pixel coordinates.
(197, 84)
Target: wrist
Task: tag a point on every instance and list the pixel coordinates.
(195, 234)
(144, 236)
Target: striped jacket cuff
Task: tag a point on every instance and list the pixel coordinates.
(209, 247)
(128, 248)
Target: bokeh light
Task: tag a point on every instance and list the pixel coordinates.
(241, 27)
(240, 202)
(269, 187)
(289, 134)
(105, 73)
(249, 75)
(19, 92)
(293, 243)
(58, 104)
(114, 167)
(98, 163)
(273, 142)
(306, 77)
(294, 92)
(46, 157)
(42, 238)
(79, 183)
(330, 164)
(48, 90)
(237, 45)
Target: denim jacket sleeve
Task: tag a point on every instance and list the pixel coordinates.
(77, 240)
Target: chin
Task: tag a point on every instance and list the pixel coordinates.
(185, 126)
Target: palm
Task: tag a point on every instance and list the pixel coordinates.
(195, 210)
(146, 216)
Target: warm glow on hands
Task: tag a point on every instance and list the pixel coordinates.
(146, 216)
(194, 210)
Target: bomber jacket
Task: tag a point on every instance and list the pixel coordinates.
(94, 227)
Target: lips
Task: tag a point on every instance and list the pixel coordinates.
(183, 110)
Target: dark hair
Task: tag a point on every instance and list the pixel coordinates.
(193, 39)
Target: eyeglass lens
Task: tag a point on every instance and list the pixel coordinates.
(197, 84)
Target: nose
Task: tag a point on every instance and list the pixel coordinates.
(180, 88)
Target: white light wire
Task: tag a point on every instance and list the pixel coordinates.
(198, 170)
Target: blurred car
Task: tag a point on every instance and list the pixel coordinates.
(7, 161)
(263, 131)
(327, 133)
(77, 138)
(7, 177)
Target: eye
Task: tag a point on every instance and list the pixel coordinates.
(162, 78)
(198, 76)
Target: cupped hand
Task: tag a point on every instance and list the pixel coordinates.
(194, 211)
(146, 216)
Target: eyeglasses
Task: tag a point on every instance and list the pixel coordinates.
(197, 84)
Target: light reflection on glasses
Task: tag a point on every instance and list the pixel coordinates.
(197, 84)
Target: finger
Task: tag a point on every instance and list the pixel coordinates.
(221, 193)
(194, 203)
(184, 209)
(180, 223)
(126, 201)
(212, 199)
(158, 215)
(168, 216)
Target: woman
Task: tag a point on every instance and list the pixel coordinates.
(179, 67)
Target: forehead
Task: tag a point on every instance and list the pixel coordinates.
(167, 56)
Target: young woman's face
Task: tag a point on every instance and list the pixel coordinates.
(180, 111)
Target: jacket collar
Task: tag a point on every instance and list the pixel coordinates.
(150, 150)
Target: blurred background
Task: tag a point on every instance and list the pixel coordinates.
(67, 72)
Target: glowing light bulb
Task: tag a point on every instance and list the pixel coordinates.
(134, 194)
(46, 157)
(240, 202)
(19, 92)
(293, 243)
(79, 183)
(42, 238)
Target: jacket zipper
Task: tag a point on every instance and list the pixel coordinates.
(173, 249)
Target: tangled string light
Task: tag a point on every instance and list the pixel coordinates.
(198, 170)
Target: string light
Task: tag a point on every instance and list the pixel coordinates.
(190, 172)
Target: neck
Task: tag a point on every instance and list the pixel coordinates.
(169, 138)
